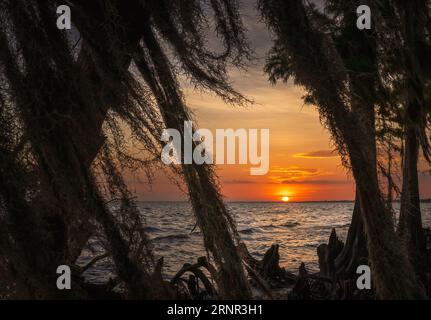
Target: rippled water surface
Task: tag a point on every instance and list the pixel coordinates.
(297, 227)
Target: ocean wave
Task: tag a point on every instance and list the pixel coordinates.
(298, 231)
(172, 237)
(247, 231)
(152, 229)
(268, 226)
(290, 224)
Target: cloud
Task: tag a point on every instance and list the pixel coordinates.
(317, 182)
(295, 175)
(317, 154)
(235, 181)
(292, 173)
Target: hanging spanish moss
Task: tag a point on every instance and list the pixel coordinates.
(71, 106)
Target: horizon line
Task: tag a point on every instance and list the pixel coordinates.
(275, 201)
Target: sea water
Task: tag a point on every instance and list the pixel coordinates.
(298, 229)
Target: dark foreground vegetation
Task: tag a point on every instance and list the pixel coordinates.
(73, 104)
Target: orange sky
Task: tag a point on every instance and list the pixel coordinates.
(295, 130)
(302, 165)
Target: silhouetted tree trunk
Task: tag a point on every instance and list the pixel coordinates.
(413, 23)
(410, 220)
(316, 64)
(354, 252)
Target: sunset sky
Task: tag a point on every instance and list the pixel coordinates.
(302, 164)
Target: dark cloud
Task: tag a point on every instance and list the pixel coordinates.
(317, 154)
(239, 182)
(292, 173)
(317, 182)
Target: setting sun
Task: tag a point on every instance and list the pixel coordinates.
(285, 199)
